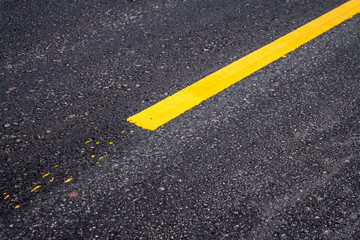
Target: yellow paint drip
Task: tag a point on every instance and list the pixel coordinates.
(92, 156)
(97, 142)
(68, 180)
(7, 196)
(17, 206)
(37, 187)
(175, 105)
(51, 180)
(101, 158)
(111, 143)
(88, 142)
(56, 165)
(45, 175)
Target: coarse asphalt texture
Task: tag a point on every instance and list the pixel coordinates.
(275, 156)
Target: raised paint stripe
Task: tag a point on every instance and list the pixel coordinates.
(172, 106)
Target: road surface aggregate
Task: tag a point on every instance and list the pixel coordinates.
(275, 156)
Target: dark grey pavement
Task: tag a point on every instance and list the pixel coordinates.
(276, 156)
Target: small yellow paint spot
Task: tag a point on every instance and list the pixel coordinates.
(111, 143)
(92, 147)
(97, 142)
(82, 151)
(56, 165)
(63, 156)
(6, 197)
(92, 156)
(68, 180)
(51, 180)
(88, 142)
(122, 131)
(5, 193)
(99, 150)
(45, 175)
(35, 188)
(17, 206)
(97, 162)
(101, 158)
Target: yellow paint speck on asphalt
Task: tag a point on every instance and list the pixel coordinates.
(171, 107)
(35, 188)
(45, 175)
(17, 206)
(68, 180)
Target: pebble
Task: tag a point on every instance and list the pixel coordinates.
(7, 125)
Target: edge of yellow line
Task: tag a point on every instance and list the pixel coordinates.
(178, 103)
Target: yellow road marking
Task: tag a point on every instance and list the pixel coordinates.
(171, 107)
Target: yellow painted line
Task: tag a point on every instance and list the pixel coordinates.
(172, 106)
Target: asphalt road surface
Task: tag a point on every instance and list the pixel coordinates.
(275, 156)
